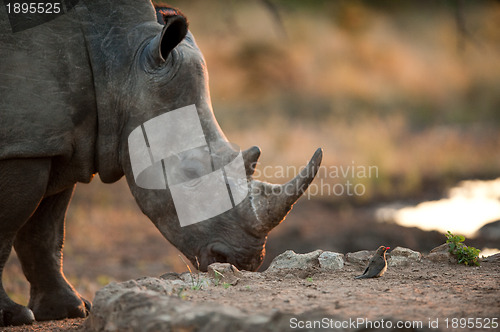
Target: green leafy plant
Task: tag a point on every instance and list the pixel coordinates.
(310, 279)
(465, 255)
(226, 285)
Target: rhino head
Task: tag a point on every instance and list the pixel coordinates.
(169, 73)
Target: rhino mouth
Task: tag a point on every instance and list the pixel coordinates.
(248, 259)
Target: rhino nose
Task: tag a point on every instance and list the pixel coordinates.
(217, 252)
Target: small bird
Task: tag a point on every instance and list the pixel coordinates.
(377, 264)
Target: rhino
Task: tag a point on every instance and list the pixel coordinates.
(72, 89)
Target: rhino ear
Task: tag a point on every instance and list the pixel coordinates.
(175, 27)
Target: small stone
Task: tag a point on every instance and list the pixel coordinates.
(224, 273)
(170, 276)
(155, 284)
(291, 260)
(441, 254)
(490, 231)
(192, 280)
(403, 257)
(359, 257)
(492, 258)
(331, 260)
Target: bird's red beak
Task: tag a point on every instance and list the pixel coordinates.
(387, 248)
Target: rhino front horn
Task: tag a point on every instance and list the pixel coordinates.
(271, 203)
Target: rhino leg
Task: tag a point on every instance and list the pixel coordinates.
(11, 313)
(22, 185)
(39, 246)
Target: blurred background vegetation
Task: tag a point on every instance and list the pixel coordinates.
(412, 87)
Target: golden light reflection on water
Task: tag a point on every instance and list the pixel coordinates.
(469, 206)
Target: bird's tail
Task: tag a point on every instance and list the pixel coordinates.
(363, 276)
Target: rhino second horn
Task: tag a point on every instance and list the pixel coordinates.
(271, 203)
(251, 156)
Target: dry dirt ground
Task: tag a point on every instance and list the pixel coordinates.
(103, 240)
(416, 293)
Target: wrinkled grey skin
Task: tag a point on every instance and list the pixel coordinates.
(71, 91)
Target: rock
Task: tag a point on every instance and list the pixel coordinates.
(359, 257)
(195, 280)
(187, 279)
(490, 231)
(331, 260)
(144, 306)
(224, 273)
(129, 307)
(492, 259)
(156, 285)
(403, 257)
(441, 254)
(291, 260)
(171, 276)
